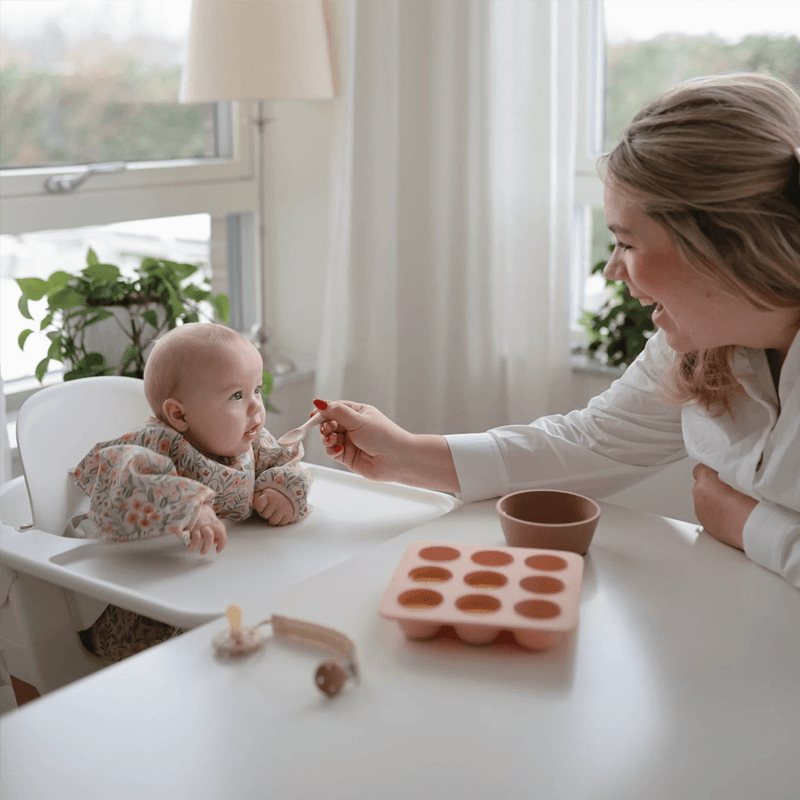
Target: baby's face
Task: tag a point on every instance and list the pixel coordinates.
(222, 402)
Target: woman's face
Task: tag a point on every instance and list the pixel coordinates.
(692, 313)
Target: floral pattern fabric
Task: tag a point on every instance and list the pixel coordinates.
(152, 482)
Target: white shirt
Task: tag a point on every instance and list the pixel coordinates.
(628, 433)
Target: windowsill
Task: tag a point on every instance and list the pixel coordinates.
(583, 364)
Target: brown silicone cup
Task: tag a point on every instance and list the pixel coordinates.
(549, 519)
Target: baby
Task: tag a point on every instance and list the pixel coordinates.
(204, 455)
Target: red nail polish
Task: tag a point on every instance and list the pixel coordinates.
(337, 448)
(320, 404)
(327, 440)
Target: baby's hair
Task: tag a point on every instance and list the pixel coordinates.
(713, 160)
(176, 353)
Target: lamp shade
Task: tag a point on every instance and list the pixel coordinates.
(257, 50)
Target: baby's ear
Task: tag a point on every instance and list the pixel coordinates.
(173, 414)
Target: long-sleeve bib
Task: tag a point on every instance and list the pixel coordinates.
(628, 433)
(152, 482)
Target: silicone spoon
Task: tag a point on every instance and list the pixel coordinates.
(297, 435)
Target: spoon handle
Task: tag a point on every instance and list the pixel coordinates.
(317, 419)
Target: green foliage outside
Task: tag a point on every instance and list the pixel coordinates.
(49, 119)
(638, 72)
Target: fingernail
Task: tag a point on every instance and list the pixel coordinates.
(327, 440)
(320, 404)
(337, 448)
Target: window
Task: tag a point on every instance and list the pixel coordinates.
(639, 49)
(92, 136)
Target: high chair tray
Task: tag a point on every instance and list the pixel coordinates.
(160, 578)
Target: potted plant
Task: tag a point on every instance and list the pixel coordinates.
(87, 311)
(620, 329)
(100, 323)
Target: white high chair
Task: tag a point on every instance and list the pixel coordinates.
(56, 428)
(156, 577)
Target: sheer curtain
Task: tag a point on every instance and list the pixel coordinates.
(5, 447)
(447, 288)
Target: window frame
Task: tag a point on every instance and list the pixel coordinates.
(589, 144)
(216, 185)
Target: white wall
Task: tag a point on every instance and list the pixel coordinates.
(298, 193)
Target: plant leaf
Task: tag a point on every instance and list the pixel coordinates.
(91, 258)
(196, 293)
(58, 280)
(222, 307)
(150, 317)
(23, 307)
(66, 298)
(107, 273)
(267, 382)
(183, 271)
(130, 354)
(41, 368)
(100, 315)
(23, 338)
(148, 264)
(33, 288)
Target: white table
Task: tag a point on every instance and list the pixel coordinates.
(682, 681)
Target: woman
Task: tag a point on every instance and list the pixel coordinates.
(703, 196)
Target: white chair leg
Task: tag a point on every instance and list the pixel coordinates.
(39, 639)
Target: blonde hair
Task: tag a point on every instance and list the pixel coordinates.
(175, 356)
(713, 161)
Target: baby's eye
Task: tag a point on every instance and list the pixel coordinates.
(257, 391)
(237, 396)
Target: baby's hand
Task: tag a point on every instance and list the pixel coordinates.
(207, 531)
(273, 506)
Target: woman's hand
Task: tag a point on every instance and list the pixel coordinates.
(720, 509)
(370, 444)
(273, 506)
(206, 532)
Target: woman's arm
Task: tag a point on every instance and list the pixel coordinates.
(625, 435)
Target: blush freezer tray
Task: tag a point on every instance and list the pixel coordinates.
(482, 591)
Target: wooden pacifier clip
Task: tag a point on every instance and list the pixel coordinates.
(331, 675)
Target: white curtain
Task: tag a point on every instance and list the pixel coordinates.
(5, 447)
(447, 287)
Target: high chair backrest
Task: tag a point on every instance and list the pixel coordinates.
(58, 426)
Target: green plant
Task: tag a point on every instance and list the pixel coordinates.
(156, 299)
(619, 331)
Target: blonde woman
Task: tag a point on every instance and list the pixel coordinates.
(703, 196)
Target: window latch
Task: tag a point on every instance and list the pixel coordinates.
(69, 182)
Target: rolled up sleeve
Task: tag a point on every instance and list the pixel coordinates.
(772, 539)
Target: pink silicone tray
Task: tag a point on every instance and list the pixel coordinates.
(482, 591)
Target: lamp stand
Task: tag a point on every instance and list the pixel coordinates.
(261, 336)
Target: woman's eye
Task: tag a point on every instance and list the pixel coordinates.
(621, 246)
